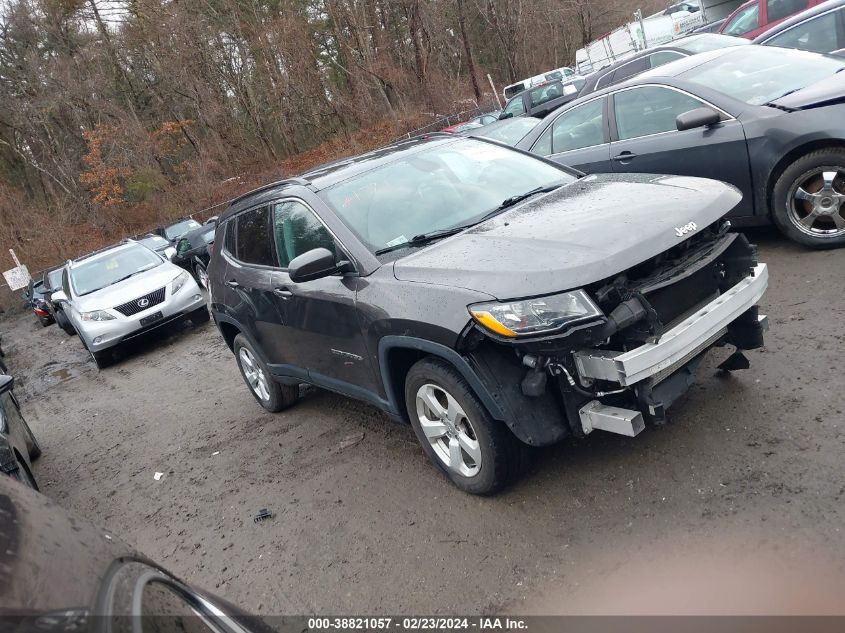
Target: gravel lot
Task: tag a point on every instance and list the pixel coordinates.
(744, 483)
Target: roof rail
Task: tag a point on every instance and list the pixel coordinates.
(272, 185)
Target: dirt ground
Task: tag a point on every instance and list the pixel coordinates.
(737, 501)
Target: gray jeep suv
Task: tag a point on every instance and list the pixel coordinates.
(492, 298)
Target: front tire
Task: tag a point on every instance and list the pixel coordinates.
(200, 316)
(64, 323)
(270, 394)
(479, 454)
(808, 199)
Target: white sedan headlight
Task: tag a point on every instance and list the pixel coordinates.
(534, 316)
(181, 280)
(96, 315)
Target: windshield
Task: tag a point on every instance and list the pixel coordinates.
(760, 74)
(111, 267)
(510, 131)
(180, 228)
(441, 187)
(54, 278)
(708, 42)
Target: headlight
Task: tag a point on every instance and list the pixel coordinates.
(180, 281)
(534, 316)
(96, 315)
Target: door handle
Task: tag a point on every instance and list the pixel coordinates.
(282, 292)
(233, 283)
(624, 156)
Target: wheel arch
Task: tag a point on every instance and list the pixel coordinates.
(229, 331)
(791, 156)
(397, 354)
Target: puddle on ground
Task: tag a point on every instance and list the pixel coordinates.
(60, 375)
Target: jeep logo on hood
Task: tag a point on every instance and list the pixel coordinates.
(680, 231)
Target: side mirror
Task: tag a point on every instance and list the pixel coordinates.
(170, 253)
(505, 115)
(700, 117)
(316, 264)
(58, 296)
(6, 383)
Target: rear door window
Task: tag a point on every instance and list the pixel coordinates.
(630, 69)
(780, 9)
(664, 57)
(252, 240)
(821, 34)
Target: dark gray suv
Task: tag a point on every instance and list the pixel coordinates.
(492, 298)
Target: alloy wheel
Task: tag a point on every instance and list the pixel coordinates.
(253, 373)
(448, 429)
(816, 202)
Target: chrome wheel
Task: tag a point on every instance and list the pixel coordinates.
(816, 202)
(202, 277)
(254, 375)
(448, 429)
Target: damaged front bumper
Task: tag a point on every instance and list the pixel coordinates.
(679, 344)
(658, 372)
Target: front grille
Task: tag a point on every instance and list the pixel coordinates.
(679, 280)
(141, 303)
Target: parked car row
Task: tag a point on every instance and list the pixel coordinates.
(116, 294)
(479, 287)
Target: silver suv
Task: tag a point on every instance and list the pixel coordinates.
(118, 293)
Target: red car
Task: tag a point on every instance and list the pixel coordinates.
(479, 121)
(757, 16)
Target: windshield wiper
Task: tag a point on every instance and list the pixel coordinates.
(509, 202)
(424, 238)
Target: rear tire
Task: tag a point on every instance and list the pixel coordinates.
(33, 447)
(479, 454)
(22, 474)
(270, 394)
(808, 199)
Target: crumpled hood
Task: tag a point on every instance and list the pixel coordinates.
(592, 229)
(827, 91)
(132, 288)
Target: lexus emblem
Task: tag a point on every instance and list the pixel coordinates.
(143, 303)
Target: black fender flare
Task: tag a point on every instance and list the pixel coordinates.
(392, 391)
